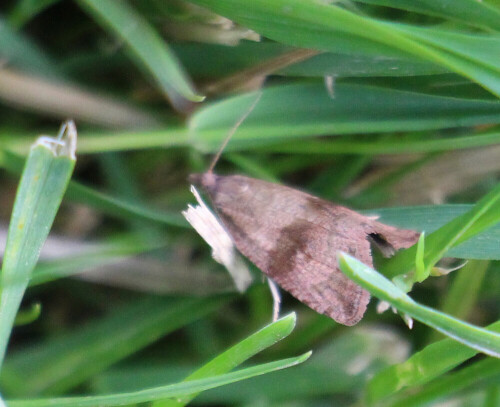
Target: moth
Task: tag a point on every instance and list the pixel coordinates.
(294, 237)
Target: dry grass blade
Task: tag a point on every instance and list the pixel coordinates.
(62, 100)
(258, 72)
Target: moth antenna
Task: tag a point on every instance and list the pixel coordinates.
(231, 133)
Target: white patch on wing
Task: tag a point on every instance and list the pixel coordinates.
(224, 252)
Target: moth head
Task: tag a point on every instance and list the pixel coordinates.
(222, 190)
(207, 181)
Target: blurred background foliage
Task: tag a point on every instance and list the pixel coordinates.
(369, 103)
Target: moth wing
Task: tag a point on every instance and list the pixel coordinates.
(294, 238)
(395, 237)
(306, 265)
(302, 259)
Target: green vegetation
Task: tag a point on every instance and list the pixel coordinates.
(386, 106)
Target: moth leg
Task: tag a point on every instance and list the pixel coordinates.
(275, 293)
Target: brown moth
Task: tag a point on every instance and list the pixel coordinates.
(294, 237)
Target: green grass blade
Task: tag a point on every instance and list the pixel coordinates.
(465, 289)
(43, 183)
(422, 367)
(65, 362)
(306, 110)
(473, 56)
(148, 48)
(97, 254)
(22, 53)
(252, 168)
(219, 61)
(103, 202)
(483, 246)
(482, 372)
(120, 207)
(329, 27)
(25, 10)
(492, 397)
(477, 338)
(397, 144)
(341, 364)
(483, 215)
(100, 142)
(472, 46)
(236, 355)
(479, 14)
(28, 316)
(174, 390)
(172, 135)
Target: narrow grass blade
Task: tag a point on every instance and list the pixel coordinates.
(306, 110)
(397, 144)
(174, 390)
(25, 317)
(251, 167)
(172, 135)
(483, 215)
(24, 54)
(110, 205)
(422, 367)
(121, 208)
(478, 375)
(219, 61)
(92, 255)
(477, 338)
(492, 397)
(463, 293)
(479, 14)
(236, 355)
(25, 10)
(45, 177)
(483, 246)
(332, 28)
(477, 47)
(465, 289)
(421, 272)
(63, 363)
(147, 47)
(340, 365)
